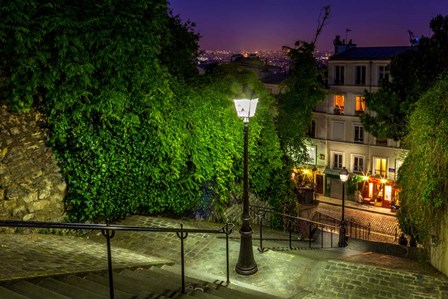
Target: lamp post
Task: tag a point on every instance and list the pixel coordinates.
(246, 265)
(343, 175)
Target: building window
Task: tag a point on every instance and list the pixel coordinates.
(383, 74)
(311, 153)
(338, 130)
(359, 134)
(337, 160)
(360, 75)
(360, 104)
(381, 141)
(379, 166)
(312, 129)
(339, 75)
(358, 164)
(339, 104)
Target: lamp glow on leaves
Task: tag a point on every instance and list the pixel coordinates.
(245, 108)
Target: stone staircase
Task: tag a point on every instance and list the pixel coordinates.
(153, 282)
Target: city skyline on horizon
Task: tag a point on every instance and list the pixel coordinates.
(267, 25)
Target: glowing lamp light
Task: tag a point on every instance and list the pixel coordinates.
(383, 181)
(343, 175)
(245, 108)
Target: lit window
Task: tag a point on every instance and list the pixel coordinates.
(360, 104)
(380, 166)
(338, 104)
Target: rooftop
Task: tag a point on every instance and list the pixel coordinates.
(370, 53)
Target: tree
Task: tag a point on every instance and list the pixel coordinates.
(423, 177)
(413, 72)
(180, 48)
(304, 89)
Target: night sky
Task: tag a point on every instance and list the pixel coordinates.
(270, 24)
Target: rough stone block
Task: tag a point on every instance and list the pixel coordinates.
(30, 197)
(38, 205)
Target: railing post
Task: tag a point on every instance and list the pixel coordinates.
(182, 236)
(261, 249)
(290, 233)
(227, 253)
(368, 238)
(331, 235)
(108, 235)
(322, 235)
(309, 235)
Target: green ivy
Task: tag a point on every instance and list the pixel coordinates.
(423, 176)
(131, 135)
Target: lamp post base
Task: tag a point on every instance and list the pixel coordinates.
(246, 263)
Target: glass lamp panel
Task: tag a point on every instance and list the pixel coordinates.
(245, 108)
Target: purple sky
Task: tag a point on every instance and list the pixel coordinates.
(269, 24)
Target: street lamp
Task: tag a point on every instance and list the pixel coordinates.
(246, 265)
(343, 175)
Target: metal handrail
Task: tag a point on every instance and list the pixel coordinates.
(323, 226)
(108, 231)
(355, 230)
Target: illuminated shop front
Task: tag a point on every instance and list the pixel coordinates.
(369, 190)
(378, 191)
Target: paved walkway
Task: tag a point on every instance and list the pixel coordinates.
(351, 272)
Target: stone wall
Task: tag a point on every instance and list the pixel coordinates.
(438, 248)
(31, 185)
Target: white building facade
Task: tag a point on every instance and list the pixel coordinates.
(338, 138)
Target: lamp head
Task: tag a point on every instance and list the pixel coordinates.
(245, 108)
(343, 175)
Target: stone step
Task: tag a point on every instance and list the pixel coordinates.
(219, 287)
(139, 287)
(151, 281)
(100, 289)
(196, 288)
(6, 293)
(140, 283)
(71, 291)
(31, 290)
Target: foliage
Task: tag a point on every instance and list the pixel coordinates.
(131, 134)
(265, 156)
(304, 91)
(413, 72)
(423, 176)
(180, 48)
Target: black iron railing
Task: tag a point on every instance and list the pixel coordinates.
(353, 230)
(298, 228)
(108, 231)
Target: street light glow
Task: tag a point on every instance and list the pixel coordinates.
(245, 108)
